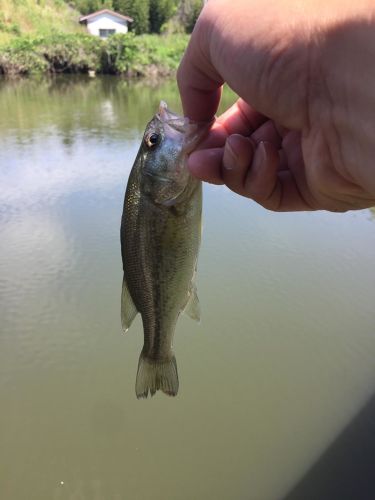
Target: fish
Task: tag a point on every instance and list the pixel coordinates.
(160, 240)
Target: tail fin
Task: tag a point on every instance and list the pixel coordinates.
(154, 375)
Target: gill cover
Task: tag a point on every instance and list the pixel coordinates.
(165, 174)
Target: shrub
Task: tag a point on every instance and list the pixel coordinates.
(119, 53)
(71, 53)
(78, 53)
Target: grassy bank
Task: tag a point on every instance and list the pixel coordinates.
(44, 17)
(129, 55)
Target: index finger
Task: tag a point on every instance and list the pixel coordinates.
(240, 118)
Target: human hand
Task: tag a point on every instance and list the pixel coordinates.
(302, 134)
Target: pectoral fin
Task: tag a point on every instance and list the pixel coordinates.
(128, 309)
(193, 308)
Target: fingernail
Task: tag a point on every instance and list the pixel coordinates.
(230, 159)
(260, 156)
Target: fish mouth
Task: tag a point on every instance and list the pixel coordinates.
(167, 117)
(193, 132)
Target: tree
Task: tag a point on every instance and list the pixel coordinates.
(160, 11)
(89, 6)
(138, 10)
(195, 10)
(188, 13)
(107, 4)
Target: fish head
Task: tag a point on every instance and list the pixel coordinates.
(167, 141)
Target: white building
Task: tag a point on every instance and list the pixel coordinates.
(105, 22)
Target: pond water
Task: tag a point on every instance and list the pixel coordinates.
(281, 362)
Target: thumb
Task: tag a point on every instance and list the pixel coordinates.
(254, 48)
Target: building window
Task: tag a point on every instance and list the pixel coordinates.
(106, 33)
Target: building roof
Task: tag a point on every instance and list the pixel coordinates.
(82, 19)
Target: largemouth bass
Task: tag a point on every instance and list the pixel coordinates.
(160, 238)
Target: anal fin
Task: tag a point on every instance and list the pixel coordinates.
(128, 308)
(192, 307)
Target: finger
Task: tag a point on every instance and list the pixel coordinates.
(198, 81)
(257, 175)
(238, 119)
(273, 189)
(283, 160)
(237, 157)
(262, 61)
(200, 100)
(282, 131)
(267, 133)
(215, 138)
(261, 182)
(241, 118)
(206, 165)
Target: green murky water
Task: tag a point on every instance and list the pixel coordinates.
(282, 359)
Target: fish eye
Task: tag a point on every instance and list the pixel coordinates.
(152, 139)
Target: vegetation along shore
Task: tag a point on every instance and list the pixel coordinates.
(45, 37)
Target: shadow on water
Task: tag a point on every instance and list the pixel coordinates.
(346, 470)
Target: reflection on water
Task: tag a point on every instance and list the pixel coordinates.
(281, 362)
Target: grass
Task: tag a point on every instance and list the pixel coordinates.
(29, 17)
(146, 55)
(162, 50)
(44, 36)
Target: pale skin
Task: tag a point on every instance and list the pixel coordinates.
(302, 134)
